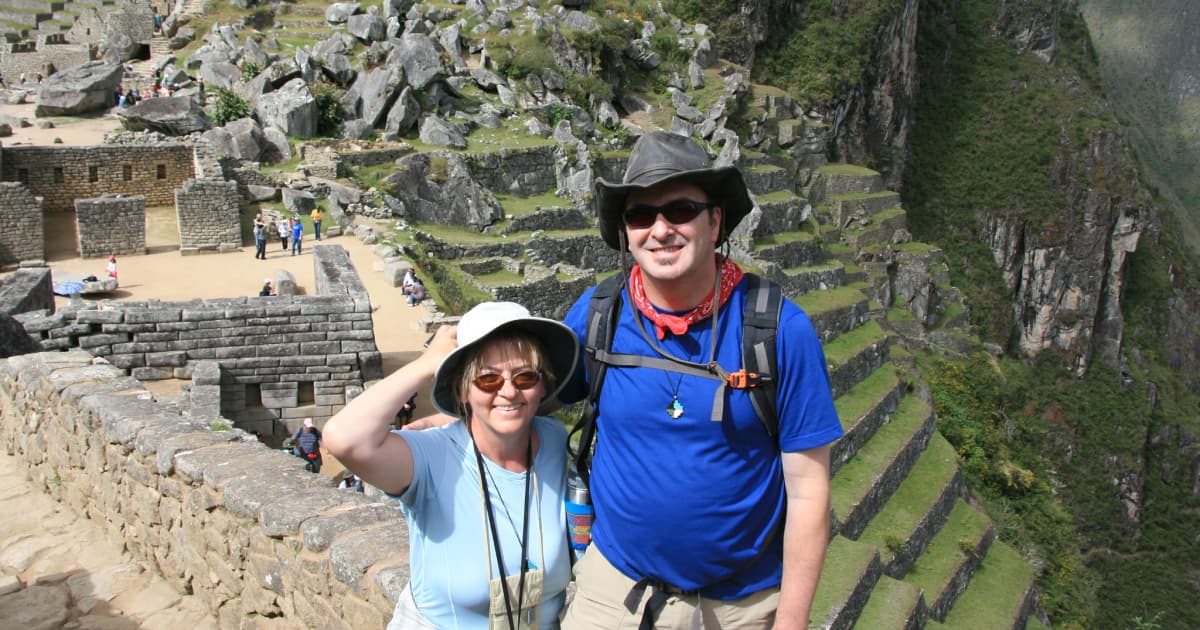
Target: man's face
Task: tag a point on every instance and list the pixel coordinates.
(670, 251)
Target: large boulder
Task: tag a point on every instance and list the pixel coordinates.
(438, 132)
(242, 139)
(421, 59)
(13, 338)
(291, 109)
(403, 114)
(80, 90)
(373, 93)
(438, 188)
(339, 12)
(368, 28)
(173, 116)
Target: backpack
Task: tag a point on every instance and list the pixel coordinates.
(760, 324)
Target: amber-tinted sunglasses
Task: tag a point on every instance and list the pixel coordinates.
(492, 382)
(678, 212)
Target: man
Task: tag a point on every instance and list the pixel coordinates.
(260, 238)
(267, 290)
(317, 214)
(297, 237)
(701, 518)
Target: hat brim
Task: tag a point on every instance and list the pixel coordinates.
(723, 185)
(557, 340)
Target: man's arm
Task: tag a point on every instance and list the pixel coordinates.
(805, 533)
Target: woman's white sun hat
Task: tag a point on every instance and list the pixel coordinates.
(478, 324)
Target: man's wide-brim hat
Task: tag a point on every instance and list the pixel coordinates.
(483, 322)
(659, 157)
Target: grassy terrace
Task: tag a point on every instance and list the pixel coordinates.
(996, 592)
(848, 345)
(847, 563)
(842, 168)
(521, 206)
(818, 302)
(948, 551)
(862, 398)
(858, 477)
(893, 603)
(776, 196)
(912, 501)
(825, 266)
(500, 278)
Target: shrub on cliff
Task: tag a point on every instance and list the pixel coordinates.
(229, 107)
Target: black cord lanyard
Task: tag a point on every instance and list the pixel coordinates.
(487, 501)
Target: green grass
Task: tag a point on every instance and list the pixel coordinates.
(961, 534)
(846, 561)
(892, 604)
(996, 591)
(857, 476)
(776, 196)
(515, 206)
(914, 498)
(848, 345)
(816, 302)
(863, 397)
(499, 278)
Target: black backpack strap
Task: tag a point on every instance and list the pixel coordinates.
(603, 312)
(760, 327)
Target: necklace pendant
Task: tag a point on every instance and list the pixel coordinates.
(675, 409)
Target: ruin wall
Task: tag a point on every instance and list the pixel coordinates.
(240, 526)
(60, 175)
(281, 358)
(112, 224)
(208, 216)
(30, 58)
(23, 234)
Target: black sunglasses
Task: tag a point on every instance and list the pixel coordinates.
(678, 212)
(492, 382)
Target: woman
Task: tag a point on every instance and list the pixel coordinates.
(483, 497)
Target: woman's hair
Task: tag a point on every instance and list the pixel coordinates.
(520, 344)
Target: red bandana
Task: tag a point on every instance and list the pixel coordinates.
(731, 274)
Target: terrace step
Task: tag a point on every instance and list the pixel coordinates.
(945, 569)
(789, 249)
(1000, 596)
(835, 311)
(879, 227)
(840, 210)
(893, 604)
(864, 484)
(853, 356)
(918, 509)
(762, 179)
(782, 211)
(850, 572)
(863, 410)
(797, 281)
(843, 179)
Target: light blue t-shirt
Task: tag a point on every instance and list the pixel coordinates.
(448, 550)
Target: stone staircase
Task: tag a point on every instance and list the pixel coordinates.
(909, 548)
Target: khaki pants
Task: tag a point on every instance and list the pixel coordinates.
(601, 594)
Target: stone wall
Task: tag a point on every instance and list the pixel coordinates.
(523, 172)
(22, 236)
(112, 224)
(279, 358)
(63, 174)
(30, 58)
(240, 526)
(208, 216)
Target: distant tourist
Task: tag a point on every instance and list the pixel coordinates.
(410, 278)
(284, 230)
(416, 293)
(260, 238)
(351, 481)
(317, 214)
(267, 290)
(111, 269)
(308, 445)
(297, 237)
(2, 81)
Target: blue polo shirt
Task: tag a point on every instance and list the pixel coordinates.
(691, 501)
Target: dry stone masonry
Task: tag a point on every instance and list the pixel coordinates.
(241, 526)
(22, 235)
(112, 224)
(63, 174)
(208, 216)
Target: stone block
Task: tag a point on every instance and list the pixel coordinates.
(351, 556)
(318, 533)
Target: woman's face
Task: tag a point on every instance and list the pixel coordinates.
(509, 410)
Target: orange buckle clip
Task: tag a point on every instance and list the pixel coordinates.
(742, 379)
